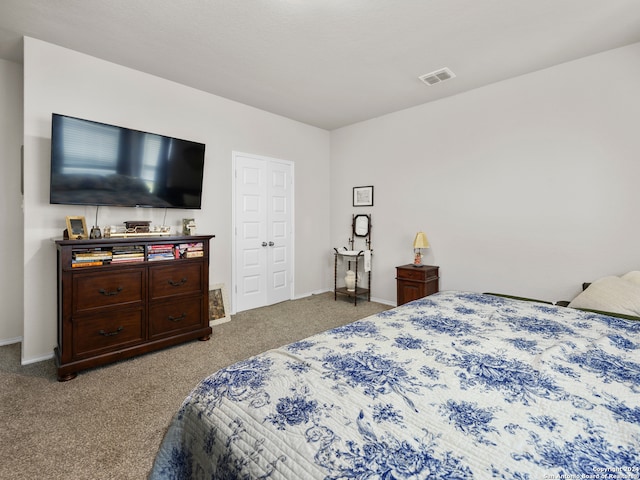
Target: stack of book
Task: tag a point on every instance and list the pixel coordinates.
(191, 250)
(160, 252)
(128, 253)
(90, 257)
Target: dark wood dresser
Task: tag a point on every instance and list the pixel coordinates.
(120, 297)
(416, 282)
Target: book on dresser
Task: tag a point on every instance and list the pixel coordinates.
(117, 300)
(127, 253)
(190, 250)
(90, 257)
(161, 252)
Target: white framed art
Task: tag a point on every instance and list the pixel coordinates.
(363, 196)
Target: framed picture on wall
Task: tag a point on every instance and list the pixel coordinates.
(363, 196)
(77, 228)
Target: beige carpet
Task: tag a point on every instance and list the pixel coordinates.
(108, 422)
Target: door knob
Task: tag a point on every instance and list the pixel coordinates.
(264, 244)
(271, 244)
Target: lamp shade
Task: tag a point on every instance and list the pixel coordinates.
(421, 241)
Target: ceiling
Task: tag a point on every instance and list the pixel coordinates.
(327, 63)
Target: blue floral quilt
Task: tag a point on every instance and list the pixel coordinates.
(456, 385)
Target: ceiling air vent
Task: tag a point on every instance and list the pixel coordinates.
(437, 77)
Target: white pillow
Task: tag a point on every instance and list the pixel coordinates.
(610, 294)
(632, 277)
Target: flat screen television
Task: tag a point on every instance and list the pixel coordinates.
(95, 163)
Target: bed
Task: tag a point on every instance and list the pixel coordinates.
(454, 385)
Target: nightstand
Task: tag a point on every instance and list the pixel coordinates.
(416, 282)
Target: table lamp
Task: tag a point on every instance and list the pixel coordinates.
(418, 244)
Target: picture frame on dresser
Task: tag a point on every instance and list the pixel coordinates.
(77, 228)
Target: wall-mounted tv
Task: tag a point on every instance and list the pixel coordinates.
(95, 163)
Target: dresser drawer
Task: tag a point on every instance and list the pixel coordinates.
(180, 278)
(173, 316)
(106, 289)
(93, 335)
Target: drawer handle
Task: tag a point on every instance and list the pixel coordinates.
(177, 319)
(111, 334)
(182, 281)
(110, 294)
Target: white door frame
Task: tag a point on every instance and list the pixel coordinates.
(234, 273)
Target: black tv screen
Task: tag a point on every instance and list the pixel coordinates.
(95, 163)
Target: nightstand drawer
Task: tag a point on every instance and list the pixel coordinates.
(413, 273)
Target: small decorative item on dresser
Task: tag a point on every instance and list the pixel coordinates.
(188, 226)
(414, 283)
(137, 226)
(95, 232)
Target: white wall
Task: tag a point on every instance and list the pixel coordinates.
(11, 234)
(63, 81)
(529, 186)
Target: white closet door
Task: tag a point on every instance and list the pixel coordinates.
(279, 215)
(263, 228)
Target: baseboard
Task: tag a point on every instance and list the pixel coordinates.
(10, 341)
(309, 294)
(218, 321)
(36, 360)
(329, 290)
(384, 302)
